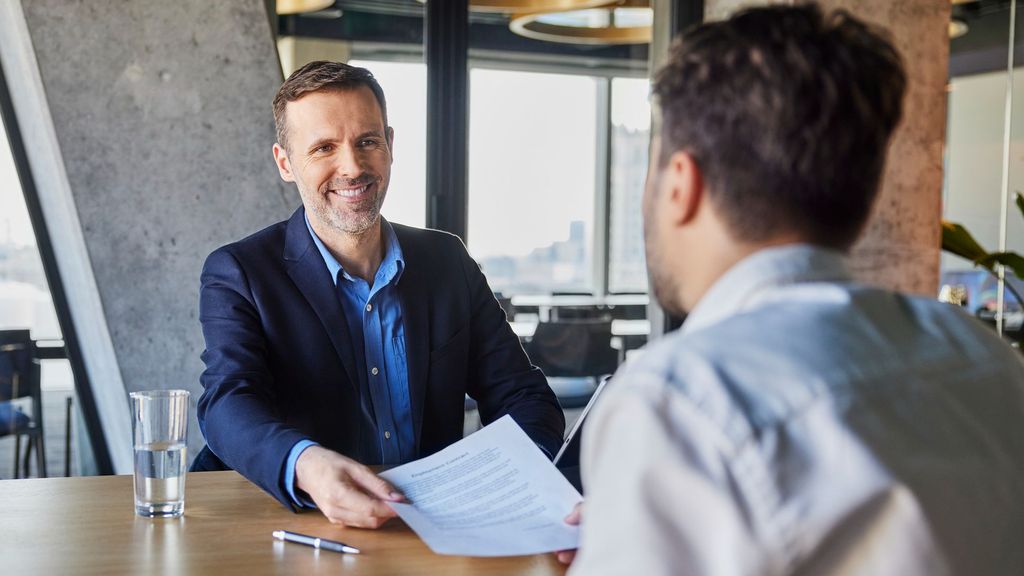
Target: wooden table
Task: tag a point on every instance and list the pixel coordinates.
(88, 526)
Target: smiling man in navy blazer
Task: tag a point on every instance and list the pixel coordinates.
(336, 339)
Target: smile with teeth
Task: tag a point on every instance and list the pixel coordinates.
(351, 192)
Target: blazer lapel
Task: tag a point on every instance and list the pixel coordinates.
(414, 297)
(307, 269)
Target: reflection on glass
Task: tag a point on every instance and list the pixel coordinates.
(532, 142)
(405, 87)
(631, 126)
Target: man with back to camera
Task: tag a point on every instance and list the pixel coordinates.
(797, 423)
(336, 339)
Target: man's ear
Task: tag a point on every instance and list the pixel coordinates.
(284, 165)
(389, 134)
(683, 187)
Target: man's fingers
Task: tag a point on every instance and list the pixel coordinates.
(356, 520)
(575, 516)
(353, 499)
(353, 508)
(374, 484)
(345, 490)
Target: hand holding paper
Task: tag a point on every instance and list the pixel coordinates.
(491, 494)
(344, 490)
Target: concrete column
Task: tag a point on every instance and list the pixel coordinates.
(900, 248)
(149, 129)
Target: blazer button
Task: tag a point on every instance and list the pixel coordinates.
(369, 307)
(374, 371)
(387, 435)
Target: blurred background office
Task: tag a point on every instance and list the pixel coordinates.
(138, 138)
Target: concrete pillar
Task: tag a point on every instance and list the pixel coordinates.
(900, 248)
(148, 126)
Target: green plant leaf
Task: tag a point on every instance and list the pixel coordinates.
(957, 240)
(1011, 260)
(1019, 200)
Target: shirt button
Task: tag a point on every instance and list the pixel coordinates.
(387, 435)
(369, 307)
(374, 371)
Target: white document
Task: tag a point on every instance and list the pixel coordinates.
(493, 493)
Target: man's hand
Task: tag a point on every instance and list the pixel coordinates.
(346, 491)
(574, 517)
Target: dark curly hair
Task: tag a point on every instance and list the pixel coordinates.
(788, 113)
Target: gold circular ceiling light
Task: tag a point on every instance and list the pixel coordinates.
(300, 6)
(531, 6)
(617, 22)
(957, 28)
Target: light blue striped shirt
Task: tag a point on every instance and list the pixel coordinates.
(802, 423)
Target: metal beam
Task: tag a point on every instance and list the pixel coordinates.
(602, 192)
(686, 13)
(446, 44)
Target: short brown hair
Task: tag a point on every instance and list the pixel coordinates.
(322, 75)
(788, 113)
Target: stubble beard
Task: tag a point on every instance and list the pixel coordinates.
(664, 286)
(353, 223)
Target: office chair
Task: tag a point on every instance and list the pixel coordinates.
(506, 304)
(568, 313)
(574, 355)
(20, 378)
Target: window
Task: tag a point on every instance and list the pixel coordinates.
(25, 300)
(24, 295)
(630, 137)
(532, 172)
(975, 160)
(405, 87)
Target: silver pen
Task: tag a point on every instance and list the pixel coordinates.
(315, 542)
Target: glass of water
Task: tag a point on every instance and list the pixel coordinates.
(160, 429)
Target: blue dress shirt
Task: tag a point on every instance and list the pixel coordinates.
(374, 316)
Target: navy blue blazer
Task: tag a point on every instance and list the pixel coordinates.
(280, 365)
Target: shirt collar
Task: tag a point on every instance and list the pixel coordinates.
(768, 268)
(391, 266)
